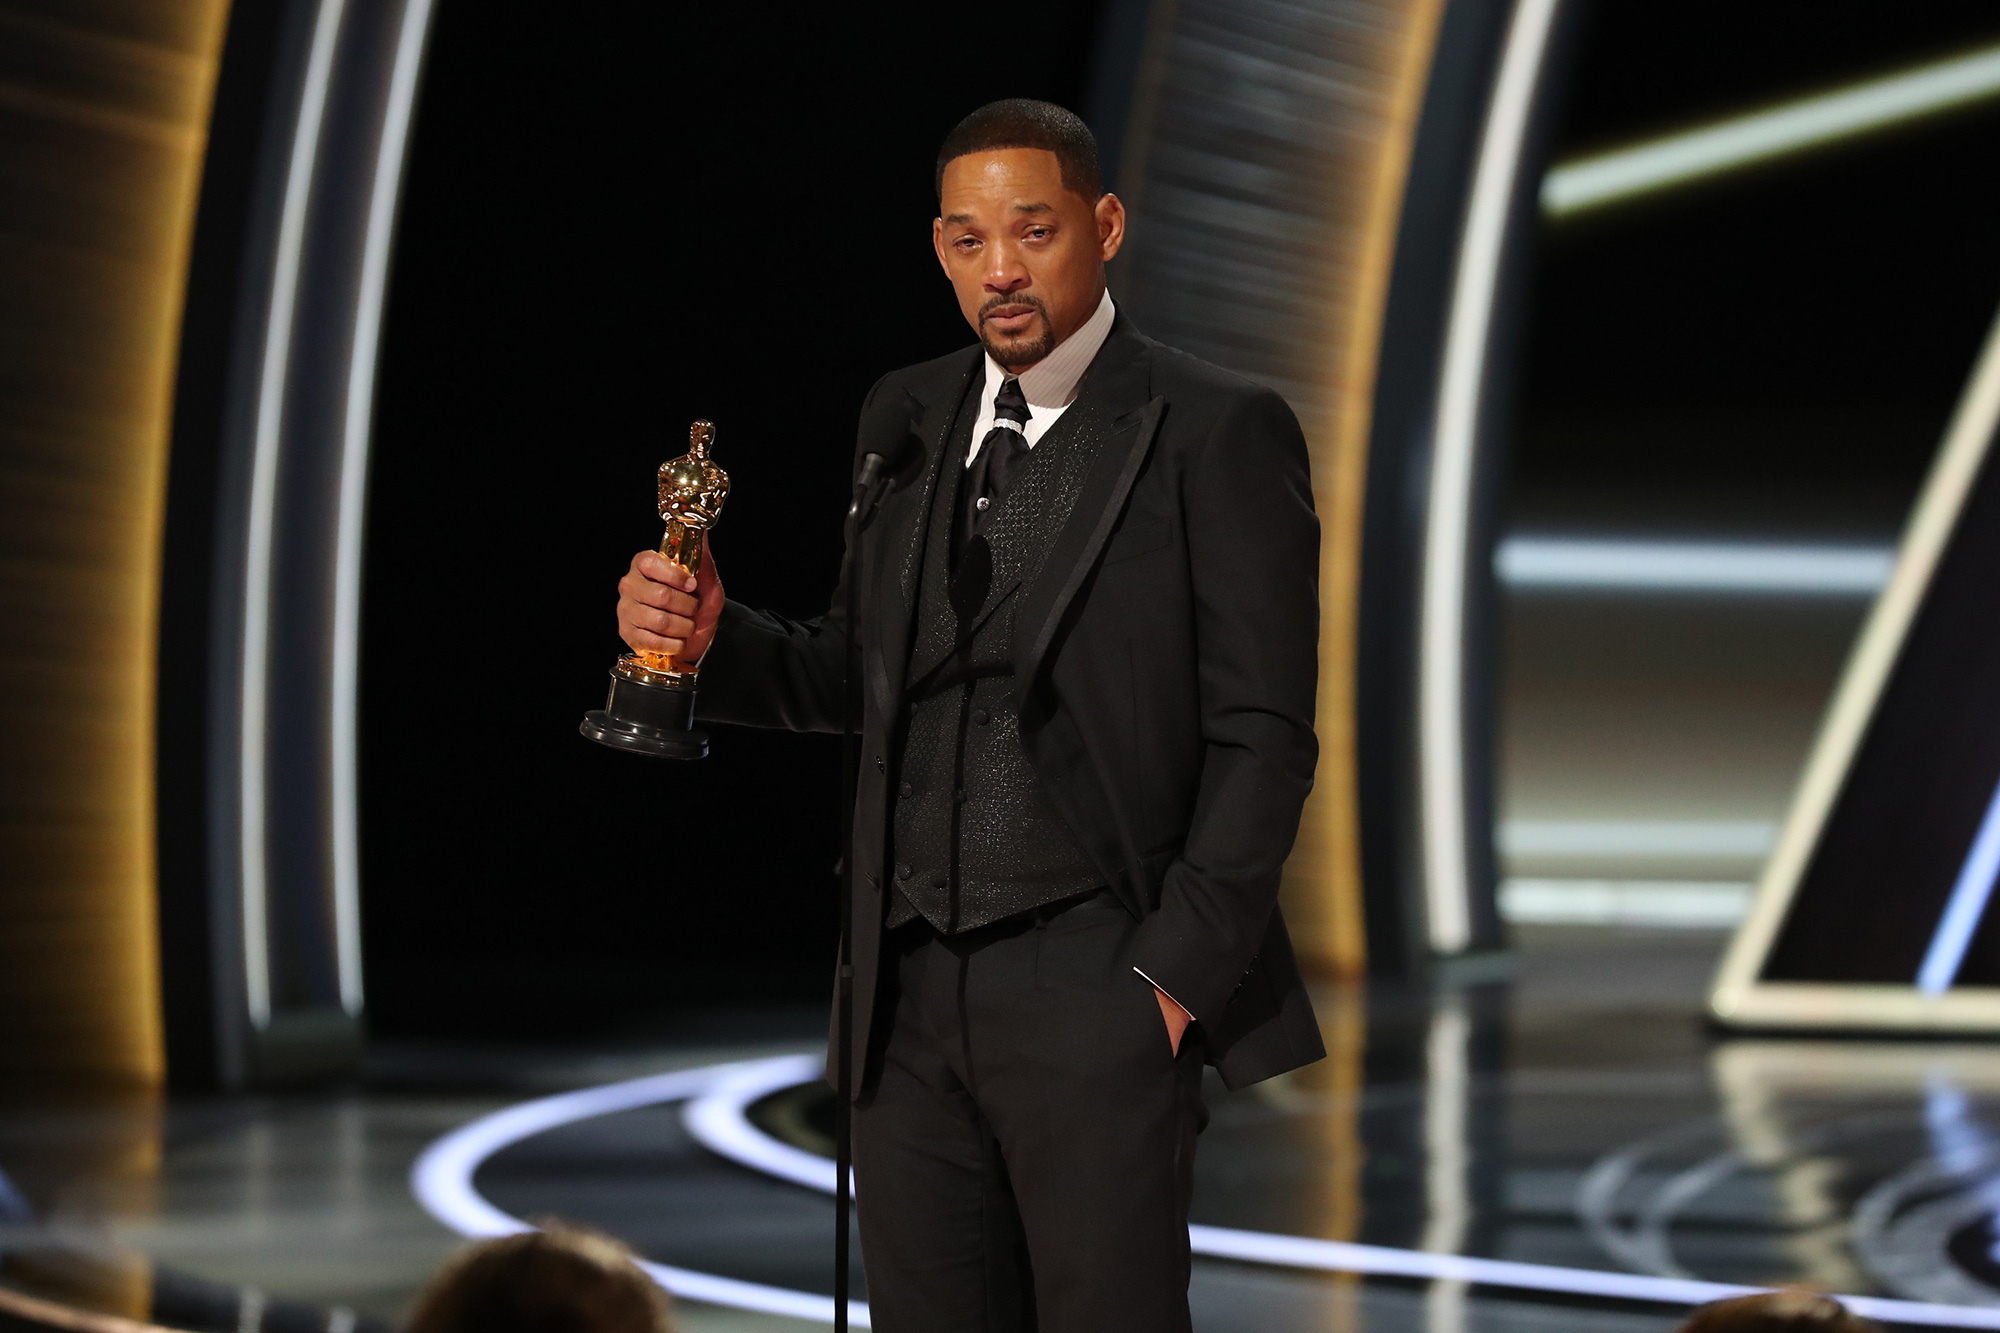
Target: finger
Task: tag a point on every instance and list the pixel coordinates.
(661, 622)
(642, 592)
(657, 568)
(653, 643)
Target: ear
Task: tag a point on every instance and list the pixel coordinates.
(937, 244)
(1110, 225)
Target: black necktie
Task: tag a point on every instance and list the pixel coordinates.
(992, 467)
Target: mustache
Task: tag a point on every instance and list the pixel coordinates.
(1002, 302)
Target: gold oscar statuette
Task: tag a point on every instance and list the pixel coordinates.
(651, 706)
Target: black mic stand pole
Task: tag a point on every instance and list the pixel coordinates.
(867, 488)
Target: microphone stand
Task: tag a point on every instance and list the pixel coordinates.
(867, 494)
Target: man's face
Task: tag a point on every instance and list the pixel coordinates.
(1025, 256)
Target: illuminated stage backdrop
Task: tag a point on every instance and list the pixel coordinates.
(259, 874)
(1337, 200)
(1334, 199)
(102, 129)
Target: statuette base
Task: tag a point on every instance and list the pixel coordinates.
(650, 717)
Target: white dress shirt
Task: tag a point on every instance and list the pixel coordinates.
(1050, 384)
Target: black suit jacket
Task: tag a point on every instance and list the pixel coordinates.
(1167, 672)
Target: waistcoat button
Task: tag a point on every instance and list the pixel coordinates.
(902, 872)
(981, 717)
(907, 789)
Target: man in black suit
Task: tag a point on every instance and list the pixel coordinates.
(1088, 640)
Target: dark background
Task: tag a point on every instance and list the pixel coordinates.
(619, 218)
(1774, 351)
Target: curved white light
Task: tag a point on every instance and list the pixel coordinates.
(717, 1120)
(1454, 453)
(346, 637)
(717, 1115)
(273, 374)
(441, 1178)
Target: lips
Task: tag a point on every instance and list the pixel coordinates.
(1011, 318)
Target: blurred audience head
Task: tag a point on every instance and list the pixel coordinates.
(1777, 1312)
(561, 1279)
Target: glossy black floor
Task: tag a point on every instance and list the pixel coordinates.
(1579, 1114)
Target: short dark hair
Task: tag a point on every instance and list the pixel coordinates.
(1022, 122)
(1791, 1311)
(563, 1279)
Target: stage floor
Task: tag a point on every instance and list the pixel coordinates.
(1578, 1118)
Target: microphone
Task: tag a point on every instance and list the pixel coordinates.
(877, 475)
(871, 472)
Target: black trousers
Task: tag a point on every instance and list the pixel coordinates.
(1024, 1156)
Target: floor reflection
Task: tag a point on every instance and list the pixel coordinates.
(1579, 1115)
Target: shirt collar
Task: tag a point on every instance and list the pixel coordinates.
(1051, 382)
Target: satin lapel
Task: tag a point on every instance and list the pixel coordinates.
(1136, 420)
(900, 529)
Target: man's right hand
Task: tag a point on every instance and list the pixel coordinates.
(664, 609)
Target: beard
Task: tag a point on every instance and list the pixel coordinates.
(1022, 349)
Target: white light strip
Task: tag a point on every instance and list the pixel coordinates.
(1676, 159)
(346, 647)
(1334, 1256)
(1454, 440)
(1447, 1112)
(1650, 839)
(1571, 564)
(1673, 904)
(253, 872)
(719, 1120)
(1966, 906)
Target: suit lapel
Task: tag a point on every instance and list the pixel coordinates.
(1122, 375)
(899, 530)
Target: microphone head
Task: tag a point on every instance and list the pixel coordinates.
(891, 460)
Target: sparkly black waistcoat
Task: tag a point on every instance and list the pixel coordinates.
(976, 838)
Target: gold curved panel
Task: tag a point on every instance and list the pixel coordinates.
(1267, 246)
(1264, 165)
(1322, 887)
(104, 109)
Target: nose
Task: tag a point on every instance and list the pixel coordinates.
(1005, 272)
